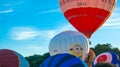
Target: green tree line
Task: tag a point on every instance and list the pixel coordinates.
(36, 60)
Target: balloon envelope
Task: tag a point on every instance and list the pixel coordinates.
(87, 15)
(71, 42)
(9, 58)
(63, 60)
(90, 58)
(108, 57)
(91, 53)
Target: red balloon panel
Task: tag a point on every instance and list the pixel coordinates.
(86, 20)
(102, 58)
(8, 59)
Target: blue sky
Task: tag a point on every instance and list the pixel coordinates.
(27, 26)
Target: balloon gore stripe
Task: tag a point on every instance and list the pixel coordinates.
(67, 60)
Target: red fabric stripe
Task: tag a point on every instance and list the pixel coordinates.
(8, 59)
(86, 20)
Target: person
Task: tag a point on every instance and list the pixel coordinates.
(101, 64)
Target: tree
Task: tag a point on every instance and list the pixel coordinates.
(46, 55)
(36, 60)
(100, 48)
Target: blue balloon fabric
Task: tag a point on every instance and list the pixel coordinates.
(118, 63)
(63, 60)
(22, 61)
(115, 58)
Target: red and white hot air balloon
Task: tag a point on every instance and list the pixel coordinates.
(87, 15)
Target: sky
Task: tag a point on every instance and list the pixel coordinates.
(27, 26)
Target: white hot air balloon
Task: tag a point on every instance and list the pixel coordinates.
(71, 42)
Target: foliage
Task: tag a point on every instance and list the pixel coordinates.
(36, 60)
(100, 48)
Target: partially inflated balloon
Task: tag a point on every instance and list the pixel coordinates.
(63, 60)
(71, 42)
(107, 57)
(10, 58)
(90, 58)
(87, 15)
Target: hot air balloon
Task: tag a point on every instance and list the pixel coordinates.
(10, 58)
(71, 42)
(63, 60)
(90, 57)
(87, 15)
(107, 57)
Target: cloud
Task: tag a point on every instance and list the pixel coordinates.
(112, 24)
(23, 33)
(51, 11)
(114, 21)
(27, 33)
(6, 11)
